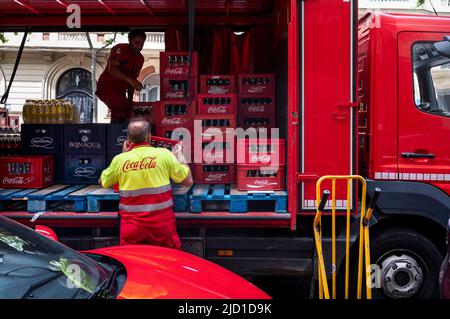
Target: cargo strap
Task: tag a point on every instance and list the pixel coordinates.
(4, 98)
(188, 99)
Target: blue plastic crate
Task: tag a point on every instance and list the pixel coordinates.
(85, 138)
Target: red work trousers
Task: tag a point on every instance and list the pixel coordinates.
(116, 100)
(135, 234)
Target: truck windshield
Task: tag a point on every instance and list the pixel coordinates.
(33, 266)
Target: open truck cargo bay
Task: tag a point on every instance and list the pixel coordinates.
(345, 105)
(271, 43)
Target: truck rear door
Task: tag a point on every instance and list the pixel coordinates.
(327, 134)
(423, 110)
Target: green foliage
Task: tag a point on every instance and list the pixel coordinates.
(3, 39)
(420, 3)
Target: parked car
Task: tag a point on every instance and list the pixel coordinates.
(34, 265)
(444, 275)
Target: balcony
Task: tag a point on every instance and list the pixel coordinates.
(442, 6)
(77, 40)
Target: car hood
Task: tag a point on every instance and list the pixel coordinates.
(157, 272)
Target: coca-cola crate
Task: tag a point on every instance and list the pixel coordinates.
(31, 171)
(260, 178)
(177, 63)
(215, 151)
(172, 88)
(175, 133)
(257, 84)
(83, 169)
(215, 124)
(41, 138)
(215, 173)
(175, 113)
(217, 104)
(85, 138)
(261, 151)
(256, 105)
(266, 121)
(217, 84)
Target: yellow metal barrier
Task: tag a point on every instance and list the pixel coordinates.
(364, 244)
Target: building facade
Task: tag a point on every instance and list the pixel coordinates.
(60, 65)
(442, 7)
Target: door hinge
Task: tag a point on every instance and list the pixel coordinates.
(304, 177)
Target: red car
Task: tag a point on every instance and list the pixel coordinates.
(444, 275)
(33, 266)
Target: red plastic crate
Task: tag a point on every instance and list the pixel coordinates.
(217, 104)
(260, 178)
(215, 173)
(172, 88)
(215, 151)
(267, 121)
(261, 151)
(31, 171)
(217, 84)
(175, 63)
(256, 105)
(174, 113)
(213, 124)
(256, 84)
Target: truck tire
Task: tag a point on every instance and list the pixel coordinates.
(408, 264)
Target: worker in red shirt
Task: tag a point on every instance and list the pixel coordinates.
(120, 75)
(146, 200)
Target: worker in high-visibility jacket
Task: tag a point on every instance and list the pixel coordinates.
(143, 174)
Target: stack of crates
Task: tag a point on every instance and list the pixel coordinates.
(85, 149)
(217, 112)
(173, 116)
(257, 100)
(78, 150)
(261, 164)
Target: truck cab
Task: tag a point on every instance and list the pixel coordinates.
(404, 141)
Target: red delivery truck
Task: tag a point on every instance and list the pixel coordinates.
(368, 97)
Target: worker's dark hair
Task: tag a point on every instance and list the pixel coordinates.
(136, 33)
(138, 131)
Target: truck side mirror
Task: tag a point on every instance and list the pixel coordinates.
(443, 47)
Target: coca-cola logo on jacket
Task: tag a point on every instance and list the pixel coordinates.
(174, 121)
(88, 172)
(145, 163)
(42, 142)
(174, 71)
(19, 180)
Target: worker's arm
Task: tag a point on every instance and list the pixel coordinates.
(180, 172)
(114, 69)
(109, 175)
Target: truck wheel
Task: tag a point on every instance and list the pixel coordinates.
(409, 264)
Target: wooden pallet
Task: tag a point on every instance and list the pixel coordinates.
(40, 200)
(96, 197)
(235, 201)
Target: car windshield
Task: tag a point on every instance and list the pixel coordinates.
(34, 266)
